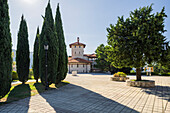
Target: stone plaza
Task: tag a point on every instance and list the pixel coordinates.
(96, 93)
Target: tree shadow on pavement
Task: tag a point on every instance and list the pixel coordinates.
(94, 74)
(160, 91)
(19, 92)
(73, 99)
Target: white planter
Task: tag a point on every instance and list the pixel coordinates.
(74, 73)
(119, 78)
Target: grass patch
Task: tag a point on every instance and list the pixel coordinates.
(15, 80)
(20, 91)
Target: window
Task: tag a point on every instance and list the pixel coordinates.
(71, 65)
(77, 65)
(79, 52)
(83, 66)
(79, 46)
(75, 52)
(75, 46)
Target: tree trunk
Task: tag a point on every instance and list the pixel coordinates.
(138, 74)
(36, 80)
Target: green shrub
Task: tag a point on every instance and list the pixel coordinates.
(119, 74)
(132, 71)
(165, 74)
(142, 73)
(14, 75)
(132, 74)
(154, 73)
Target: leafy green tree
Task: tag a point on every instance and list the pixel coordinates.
(48, 36)
(22, 53)
(104, 63)
(101, 60)
(138, 40)
(5, 49)
(163, 67)
(166, 60)
(63, 59)
(36, 57)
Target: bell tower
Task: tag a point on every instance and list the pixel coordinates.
(77, 49)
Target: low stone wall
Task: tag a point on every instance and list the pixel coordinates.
(143, 83)
(119, 78)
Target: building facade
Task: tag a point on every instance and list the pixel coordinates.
(80, 62)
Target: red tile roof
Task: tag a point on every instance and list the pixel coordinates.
(78, 60)
(77, 44)
(91, 55)
(69, 58)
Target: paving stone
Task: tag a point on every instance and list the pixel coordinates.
(97, 94)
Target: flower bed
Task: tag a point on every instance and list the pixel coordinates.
(119, 76)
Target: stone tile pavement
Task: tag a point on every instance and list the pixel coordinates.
(93, 93)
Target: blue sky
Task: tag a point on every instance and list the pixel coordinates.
(87, 19)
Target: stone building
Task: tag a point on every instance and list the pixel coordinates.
(80, 62)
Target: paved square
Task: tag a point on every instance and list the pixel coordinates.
(96, 93)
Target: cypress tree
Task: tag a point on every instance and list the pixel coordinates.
(66, 65)
(63, 59)
(5, 49)
(22, 53)
(36, 57)
(48, 36)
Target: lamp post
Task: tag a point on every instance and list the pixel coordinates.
(46, 81)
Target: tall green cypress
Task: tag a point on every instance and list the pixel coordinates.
(66, 65)
(48, 36)
(5, 49)
(63, 60)
(22, 53)
(36, 57)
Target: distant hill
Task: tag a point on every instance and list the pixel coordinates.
(31, 57)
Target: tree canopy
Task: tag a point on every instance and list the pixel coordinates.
(22, 53)
(48, 36)
(62, 58)
(138, 39)
(5, 49)
(104, 63)
(36, 57)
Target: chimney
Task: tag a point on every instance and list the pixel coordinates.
(78, 40)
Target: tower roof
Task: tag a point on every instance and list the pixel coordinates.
(77, 43)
